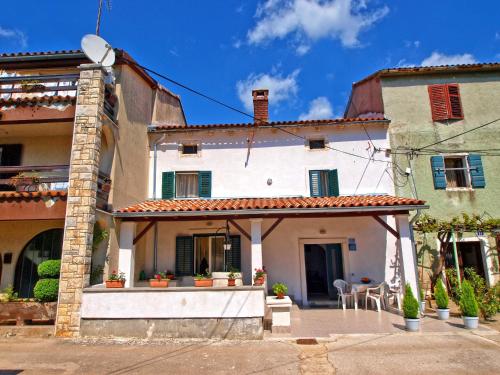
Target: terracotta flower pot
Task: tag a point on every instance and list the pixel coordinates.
(258, 281)
(155, 283)
(280, 295)
(231, 282)
(203, 283)
(115, 283)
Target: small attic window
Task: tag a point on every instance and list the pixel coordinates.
(317, 144)
(189, 149)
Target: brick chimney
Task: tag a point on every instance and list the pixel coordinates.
(260, 105)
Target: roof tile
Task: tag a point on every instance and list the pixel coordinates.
(37, 100)
(29, 195)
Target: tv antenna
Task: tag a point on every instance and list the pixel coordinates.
(99, 11)
(98, 50)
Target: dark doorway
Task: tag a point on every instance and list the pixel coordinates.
(44, 246)
(324, 264)
(469, 256)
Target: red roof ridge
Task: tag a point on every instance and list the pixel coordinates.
(27, 195)
(36, 100)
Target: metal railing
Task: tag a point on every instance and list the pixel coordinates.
(31, 178)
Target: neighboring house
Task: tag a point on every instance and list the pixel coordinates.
(73, 145)
(426, 106)
(305, 199)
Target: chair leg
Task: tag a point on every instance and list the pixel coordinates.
(377, 301)
(343, 302)
(398, 298)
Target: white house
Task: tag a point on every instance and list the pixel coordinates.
(310, 200)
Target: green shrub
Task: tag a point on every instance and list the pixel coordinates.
(280, 288)
(49, 269)
(441, 295)
(455, 291)
(410, 304)
(468, 303)
(46, 290)
(486, 298)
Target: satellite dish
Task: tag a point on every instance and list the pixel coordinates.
(98, 50)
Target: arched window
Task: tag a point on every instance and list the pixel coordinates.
(44, 246)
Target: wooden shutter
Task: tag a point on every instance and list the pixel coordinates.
(167, 185)
(476, 171)
(438, 96)
(315, 183)
(233, 259)
(333, 183)
(205, 184)
(184, 256)
(454, 103)
(438, 173)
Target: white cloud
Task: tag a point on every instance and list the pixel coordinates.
(437, 58)
(303, 49)
(497, 35)
(319, 108)
(14, 34)
(280, 88)
(311, 20)
(412, 43)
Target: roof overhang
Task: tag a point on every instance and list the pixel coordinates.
(268, 213)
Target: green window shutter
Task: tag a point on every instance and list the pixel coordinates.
(184, 256)
(438, 173)
(333, 183)
(233, 258)
(476, 171)
(167, 185)
(205, 184)
(315, 183)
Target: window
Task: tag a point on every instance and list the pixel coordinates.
(324, 183)
(316, 144)
(445, 102)
(189, 149)
(457, 171)
(10, 155)
(186, 184)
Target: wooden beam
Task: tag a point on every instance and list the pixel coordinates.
(394, 232)
(143, 232)
(272, 227)
(242, 231)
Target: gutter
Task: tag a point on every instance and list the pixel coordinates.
(155, 240)
(264, 212)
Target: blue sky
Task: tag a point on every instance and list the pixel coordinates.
(307, 52)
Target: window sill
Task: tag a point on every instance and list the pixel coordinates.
(460, 189)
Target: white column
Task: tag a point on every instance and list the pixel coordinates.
(408, 255)
(256, 233)
(126, 254)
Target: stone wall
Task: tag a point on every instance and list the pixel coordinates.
(81, 203)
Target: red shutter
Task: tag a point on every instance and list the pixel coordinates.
(438, 96)
(455, 105)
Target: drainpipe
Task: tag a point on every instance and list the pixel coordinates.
(455, 256)
(155, 240)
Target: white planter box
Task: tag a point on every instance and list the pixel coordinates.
(280, 312)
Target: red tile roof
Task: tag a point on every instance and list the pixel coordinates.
(29, 195)
(43, 53)
(37, 100)
(241, 204)
(269, 124)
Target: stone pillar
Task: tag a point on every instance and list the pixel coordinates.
(408, 255)
(256, 233)
(126, 263)
(81, 202)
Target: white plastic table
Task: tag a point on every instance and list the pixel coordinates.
(360, 288)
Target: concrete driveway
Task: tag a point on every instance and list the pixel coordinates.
(397, 353)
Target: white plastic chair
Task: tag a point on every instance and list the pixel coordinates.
(341, 286)
(394, 290)
(375, 295)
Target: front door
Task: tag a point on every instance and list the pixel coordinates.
(324, 264)
(469, 256)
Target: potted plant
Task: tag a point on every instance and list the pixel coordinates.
(231, 277)
(410, 310)
(259, 276)
(170, 275)
(441, 300)
(203, 279)
(159, 281)
(422, 299)
(115, 280)
(469, 306)
(280, 289)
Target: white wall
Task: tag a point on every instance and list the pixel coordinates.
(281, 157)
(375, 257)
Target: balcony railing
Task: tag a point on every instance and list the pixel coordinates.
(32, 178)
(14, 87)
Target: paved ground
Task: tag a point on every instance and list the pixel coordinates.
(397, 353)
